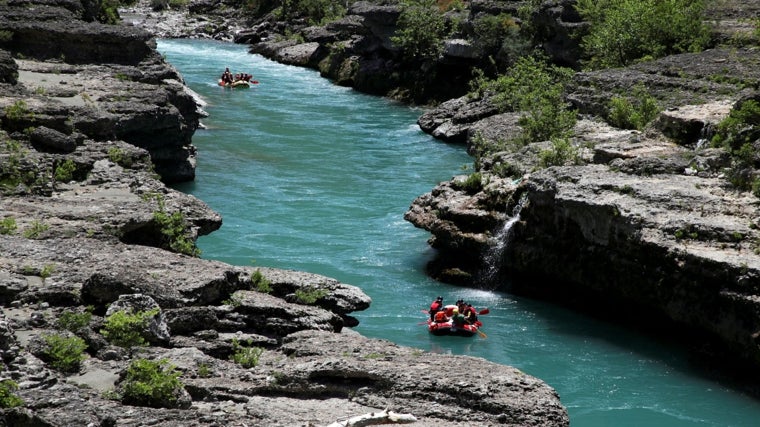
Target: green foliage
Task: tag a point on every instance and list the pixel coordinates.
(108, 11)
(18, 110)
(635, 113)
(204, 370)
(473, 183)
(73, 321)
(535, 88)
(260, 283)
(561, 152)
(740, 127)
(737, 134)
(245, 356)
(47, 270)
(125, 328)
(317, 12)
(64, 353)
(117, 155)
(35, 230)
(624, 31)
(174, 229)
(310, 295)
(6, 36)
(64, 172)
(151, 383)
(8, 398)
(420, 30)
(494, 33)
(8, 225)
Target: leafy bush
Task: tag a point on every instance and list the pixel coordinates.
(64, 353)
(498, 35)
(18, 110)
(35, 230)
(633, 114)
(473, 183)
(260, 283)
(737, 134)
(151, 383)
(740, 127)
(64, 172)
(8, 398)
(317, 12)
(535, 88)
(73, 321)
(8, 225)
(624, 31)
(310, 295)
(247, 357)
(561, 152)
(174, 229)
(420, 30)
(125, 329)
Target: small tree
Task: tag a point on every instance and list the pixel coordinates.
(420, 30)
(151, 383)
(624, 31)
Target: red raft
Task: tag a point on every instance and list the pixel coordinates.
(448, 328)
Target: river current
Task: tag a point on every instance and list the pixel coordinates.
(315, 177)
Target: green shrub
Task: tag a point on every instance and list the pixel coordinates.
(173, 228)
(260, 283)
(739, 128)
(624, 31)
(117, 155)
(561, 152)
(35, 230)
(473, 183)
(420, 30)
(633, 114)
(317, 12)
(64, 172)
(8, 225)
(8, 398)
(247, 357)
(535, 88)
(125, 328)
(73, 321)
(151, 383)
(495, 32)
(64, 353)
(18, 110)
(310, 295)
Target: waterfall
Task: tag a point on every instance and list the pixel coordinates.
(492, 260)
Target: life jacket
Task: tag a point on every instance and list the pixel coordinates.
(435, 306)
(440, 317)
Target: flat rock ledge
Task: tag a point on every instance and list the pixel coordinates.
(88, 140)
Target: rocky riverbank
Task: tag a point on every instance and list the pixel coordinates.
(107, 317)
(641, 225)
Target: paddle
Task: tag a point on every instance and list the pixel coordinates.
(484, 311)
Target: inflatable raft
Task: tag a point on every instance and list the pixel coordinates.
(448, 328)
(236, 84)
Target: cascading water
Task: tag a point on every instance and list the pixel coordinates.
(492, 261)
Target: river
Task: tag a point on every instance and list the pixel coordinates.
(315, 177)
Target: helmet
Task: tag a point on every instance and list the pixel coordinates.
(455, 311)
(440, 298)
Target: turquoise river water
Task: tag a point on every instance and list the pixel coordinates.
(315, 177)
